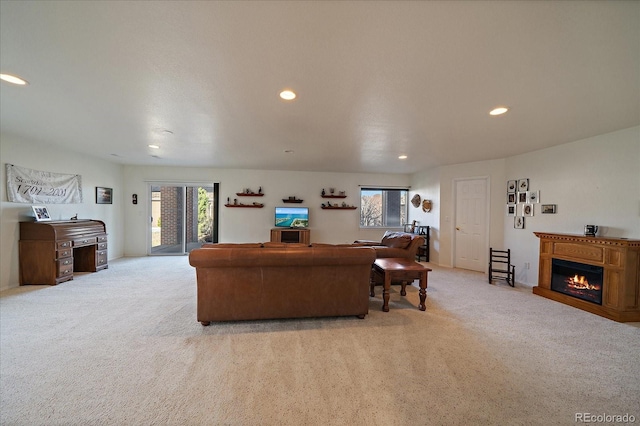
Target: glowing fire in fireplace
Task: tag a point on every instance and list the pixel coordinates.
(581, 283)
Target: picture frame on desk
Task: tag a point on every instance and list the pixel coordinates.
(104, 195)
(41, 213)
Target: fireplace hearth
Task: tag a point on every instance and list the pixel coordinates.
(597, 274)
(577, 280)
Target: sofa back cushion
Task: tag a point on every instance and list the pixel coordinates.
(396, 239)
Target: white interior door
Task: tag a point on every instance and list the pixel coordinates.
(471, 224)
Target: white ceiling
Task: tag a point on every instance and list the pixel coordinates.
(374, 80)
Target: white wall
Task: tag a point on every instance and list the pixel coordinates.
(592, 181)
(254, 225)
(94, 172)
(427, 185)
(439, 184)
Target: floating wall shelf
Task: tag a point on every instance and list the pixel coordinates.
(252, 206)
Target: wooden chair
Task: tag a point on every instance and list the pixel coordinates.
(500, 263)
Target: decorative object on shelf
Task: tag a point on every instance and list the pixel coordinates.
(41, 213)
(334, 207)
(104, 195)
(590, 230)
(342, 195)
(74, 217)
(548, 209)
(518, 222)
(249, 193)
(260, 190)
(292, 200)
(332, 190)
(426, 205)
(415, 201)
(323, 193)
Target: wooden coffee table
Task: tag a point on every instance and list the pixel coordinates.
(398, 269)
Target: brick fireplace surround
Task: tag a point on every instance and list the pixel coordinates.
(620, 259)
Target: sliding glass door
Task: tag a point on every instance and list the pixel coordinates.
(183, 217)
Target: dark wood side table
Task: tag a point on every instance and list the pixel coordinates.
(398, 269)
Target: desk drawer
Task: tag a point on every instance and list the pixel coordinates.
(63, 253)
(63, 245)
(102, 238)
(65, 267)
(102, 246)
(84, 242)
(101, 258)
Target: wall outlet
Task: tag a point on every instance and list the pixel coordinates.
(527, 265)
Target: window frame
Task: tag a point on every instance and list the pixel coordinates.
(403, 206)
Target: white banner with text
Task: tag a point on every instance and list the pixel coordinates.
(38, 187)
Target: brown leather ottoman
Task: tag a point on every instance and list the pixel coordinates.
(386, 270)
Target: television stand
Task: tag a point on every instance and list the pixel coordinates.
(290, 235)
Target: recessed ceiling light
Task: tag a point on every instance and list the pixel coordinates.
(154, 146)
(13, 79)
(402, 157)
(498, 111)
(288, 95)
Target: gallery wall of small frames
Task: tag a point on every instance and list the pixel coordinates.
(521, 202)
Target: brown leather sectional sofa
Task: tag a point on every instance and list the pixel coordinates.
(395, 244)
(273, 280)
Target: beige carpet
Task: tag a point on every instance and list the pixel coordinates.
(122, 347)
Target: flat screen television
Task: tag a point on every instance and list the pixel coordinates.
(292, 217)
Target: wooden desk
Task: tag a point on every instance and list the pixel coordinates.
(50, 252)
(387, 270)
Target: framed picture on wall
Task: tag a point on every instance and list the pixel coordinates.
(511, 198)
(518, 222)
(511, 210)
(511, 185)
(104, 195)
(548, 209)
(522, 197)
(527, 209)
(533, 196)
(523, 184)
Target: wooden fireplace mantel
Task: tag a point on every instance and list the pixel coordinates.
(620, 260)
